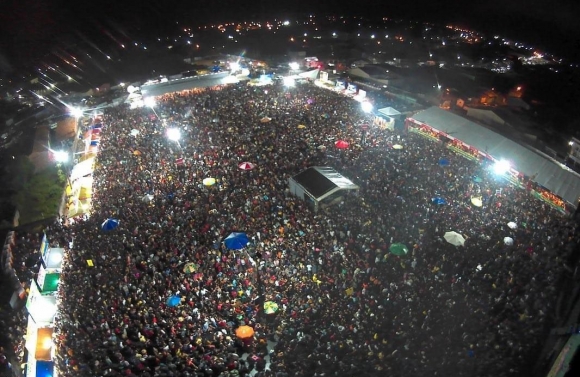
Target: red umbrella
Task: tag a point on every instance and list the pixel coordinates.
(246, 166)
(341, 144)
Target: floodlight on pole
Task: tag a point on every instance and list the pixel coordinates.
(75, 111)
(173, 134)
(501, 167)
(366, 106)
(289, 81)
(60, 156)
(149, 102)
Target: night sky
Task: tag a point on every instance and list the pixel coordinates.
(30, 28)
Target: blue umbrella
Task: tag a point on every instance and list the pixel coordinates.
(443, 162)
(236, 241)
(109, 224)
(438, 200)
(173, 301)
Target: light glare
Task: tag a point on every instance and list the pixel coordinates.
(149, 102)
(367, 107)
(289, 81)
(501, 167)
(60, 156)
(173, 134)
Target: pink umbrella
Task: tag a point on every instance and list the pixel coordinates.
(341, 144)
(246, 166)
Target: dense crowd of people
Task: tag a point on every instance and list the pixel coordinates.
(347, 306)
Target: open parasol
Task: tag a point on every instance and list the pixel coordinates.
(398, 249)
(246, 166)
(244, 332)
(270, 307)
(190, 268)
(477, 201)
(208, 181)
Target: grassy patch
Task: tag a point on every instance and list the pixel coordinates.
(40, 195)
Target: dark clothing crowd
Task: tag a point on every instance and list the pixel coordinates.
(347, 306)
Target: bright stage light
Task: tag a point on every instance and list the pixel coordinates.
(149, 101)
(289, 81)
(501, 167)
(235, 66)
(294, 66)
(366, 106)
(173, 134)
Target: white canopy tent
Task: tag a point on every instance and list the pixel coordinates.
(545, 171)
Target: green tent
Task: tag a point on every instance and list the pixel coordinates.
(51, 283)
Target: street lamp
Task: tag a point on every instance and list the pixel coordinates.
(75, 111)
(149, 102)
(60, 156)
(289, 81)
(174, 134)
(501, 167)
(366, 106)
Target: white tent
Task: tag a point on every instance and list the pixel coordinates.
(82, 169)
(546, 171)
(53, 259)
(389, 112)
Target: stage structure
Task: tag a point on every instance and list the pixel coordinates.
(320, 186)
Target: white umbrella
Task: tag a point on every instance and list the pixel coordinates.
(147, 198)
(454, 238)
(512, 225)
(134, 132)
(476, 201)
(508, 241)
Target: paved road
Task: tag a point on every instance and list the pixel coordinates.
(211, 79)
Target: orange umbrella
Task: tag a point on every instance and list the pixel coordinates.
(244, 332)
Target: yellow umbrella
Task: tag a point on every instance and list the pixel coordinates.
(301, 126)
(190, 268)
(270, 307)
(209, 181)
(397, 146)
(476, 201)
(137, 153)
